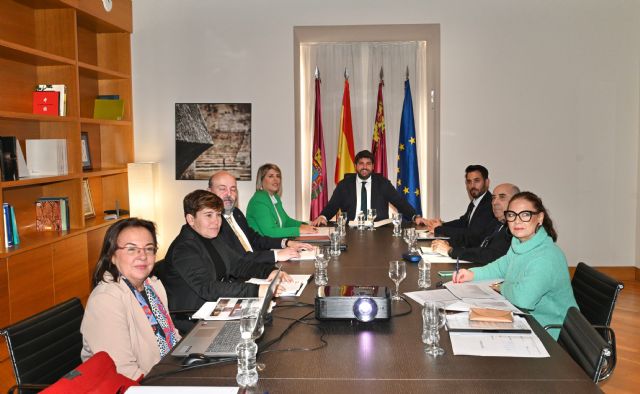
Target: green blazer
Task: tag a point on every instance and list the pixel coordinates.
(262, 217)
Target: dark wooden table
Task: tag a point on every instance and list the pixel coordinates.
(381, 356)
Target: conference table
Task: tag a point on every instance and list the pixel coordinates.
(378, 356)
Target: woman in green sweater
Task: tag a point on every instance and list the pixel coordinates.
(265, 213)
(535, 272)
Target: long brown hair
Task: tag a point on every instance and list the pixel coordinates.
(547, 223)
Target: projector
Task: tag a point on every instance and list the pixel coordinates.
(351, 302)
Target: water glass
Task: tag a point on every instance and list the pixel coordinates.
(335, 237)
(321, 261)
(433, 319)
(371, 217)
(360, 220)
(396, 219)
(341, 220)
(410, 238)
(397, 273)
(248, 320)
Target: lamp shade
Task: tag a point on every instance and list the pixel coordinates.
(142, 189)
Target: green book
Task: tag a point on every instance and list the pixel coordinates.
(108, 109)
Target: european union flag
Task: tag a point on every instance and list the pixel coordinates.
(408, 181)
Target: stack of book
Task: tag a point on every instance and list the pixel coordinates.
(47, 157)
(11, 237)
(50, 100)
(52, 214)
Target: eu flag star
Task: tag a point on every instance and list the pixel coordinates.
(417, 192)
(405, 190)
(399, 182)
(401, 146)
(412, 141)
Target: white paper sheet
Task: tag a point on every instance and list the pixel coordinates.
(379, 223)
(460, 321)
(464, 305)
(321, 231)
(440, 295)
(305, 255)
(475, 290)
(291, 289)
(497, 345)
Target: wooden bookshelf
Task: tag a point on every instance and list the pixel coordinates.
(80, 45)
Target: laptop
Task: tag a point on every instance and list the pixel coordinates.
(219, 338)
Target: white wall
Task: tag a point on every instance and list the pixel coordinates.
(545, 93)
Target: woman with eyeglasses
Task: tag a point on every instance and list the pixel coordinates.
(126, 314)
(535, 272)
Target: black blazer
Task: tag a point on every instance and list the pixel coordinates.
(472, 234)
(190, 275)
(261, 245)
(382, 194)
(497, 245)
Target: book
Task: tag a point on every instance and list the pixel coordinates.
(62, 96)
(14, 226)
(52, 214)
(46, 103)
(108, 96)
(8, 231)
(108, 109)
(47, 157)
(9, 163)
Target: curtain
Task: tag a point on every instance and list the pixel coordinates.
(362, 61)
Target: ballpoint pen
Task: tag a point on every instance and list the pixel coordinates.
(457, 267)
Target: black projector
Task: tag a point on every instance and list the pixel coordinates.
(350, 302)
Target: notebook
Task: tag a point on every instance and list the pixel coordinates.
(224, 334)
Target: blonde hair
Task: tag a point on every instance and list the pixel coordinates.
(262, 172)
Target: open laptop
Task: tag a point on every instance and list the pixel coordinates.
(219, 338)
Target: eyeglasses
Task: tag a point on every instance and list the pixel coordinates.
(134, 250)
(524, 216)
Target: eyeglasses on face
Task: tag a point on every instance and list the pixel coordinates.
(134, 250)
(524, 216)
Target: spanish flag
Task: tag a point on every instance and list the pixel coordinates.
(344, 161)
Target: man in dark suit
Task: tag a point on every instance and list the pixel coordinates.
(237, 233)
(497, 243)
(365, 190)
(478, 221)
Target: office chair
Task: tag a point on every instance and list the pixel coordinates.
(596, 295)
(159, 270)
(44, 347)
(585, 345)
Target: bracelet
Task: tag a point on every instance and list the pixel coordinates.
(286, 242)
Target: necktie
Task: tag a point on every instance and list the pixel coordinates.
(486, 240)
(469, 211)
(363, 198)
(238, 232)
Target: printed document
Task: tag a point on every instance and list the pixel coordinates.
(473, 290)
(440, 295)
(497, 345)
(291, 289)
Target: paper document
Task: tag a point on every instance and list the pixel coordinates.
(181, 389)
(466, 303)
(379, 223)
(460, 322)
(321, 231)
(291, 289)
(497, 345)
(440, 259)
(223, 309)
(472, 290)
(440, 295)
(305, 255)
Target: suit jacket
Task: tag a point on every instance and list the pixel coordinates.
(383, 193)
(115, 323)
(261, 245)
(190, 274)
(262, 216)
(470, 234)
(498, 244)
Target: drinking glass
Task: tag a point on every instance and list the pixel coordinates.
(396, 219)
(360, 220)
(334, 236)
(341, 219)
(248, 321)
(322, 260)
(410, 237)
(433, 319)
(397, 273)
(371, 217)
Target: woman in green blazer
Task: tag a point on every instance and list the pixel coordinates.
(265, 213)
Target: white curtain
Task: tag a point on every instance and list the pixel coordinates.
(362, 61)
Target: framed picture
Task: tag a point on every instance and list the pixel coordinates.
(87, 201)
(86, 153)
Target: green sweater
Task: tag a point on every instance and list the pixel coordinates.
(536, 278)
(262, 217)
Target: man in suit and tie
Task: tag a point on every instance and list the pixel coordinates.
(478, 221)
(237, 233)
(365, 190)
(497, 243)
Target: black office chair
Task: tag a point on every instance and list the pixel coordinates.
(181, 318)
(585, 345)
(46, 346)
(596, 295)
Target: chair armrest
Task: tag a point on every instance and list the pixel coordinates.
(548, 326)
(611, 339)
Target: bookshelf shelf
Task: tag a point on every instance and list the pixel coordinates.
(80, 45)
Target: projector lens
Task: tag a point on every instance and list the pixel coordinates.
(365, 309)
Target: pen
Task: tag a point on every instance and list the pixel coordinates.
(457, 267)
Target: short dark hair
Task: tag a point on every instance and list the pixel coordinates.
(110, 245)
(198, 200)
(477, 167)
(536, 201)
(364, 154)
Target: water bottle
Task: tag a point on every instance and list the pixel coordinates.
(424, 274)
(247, 372)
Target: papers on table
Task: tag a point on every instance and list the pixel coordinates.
(497, 345)
(223, 309)
(321, 231)
(425, 235)
(460, 322)
(440, 295)
(181, 389)
(291, 289)
(466, 303)
(429, 255)
(379, 223)
(305, 255)
(474, 290)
